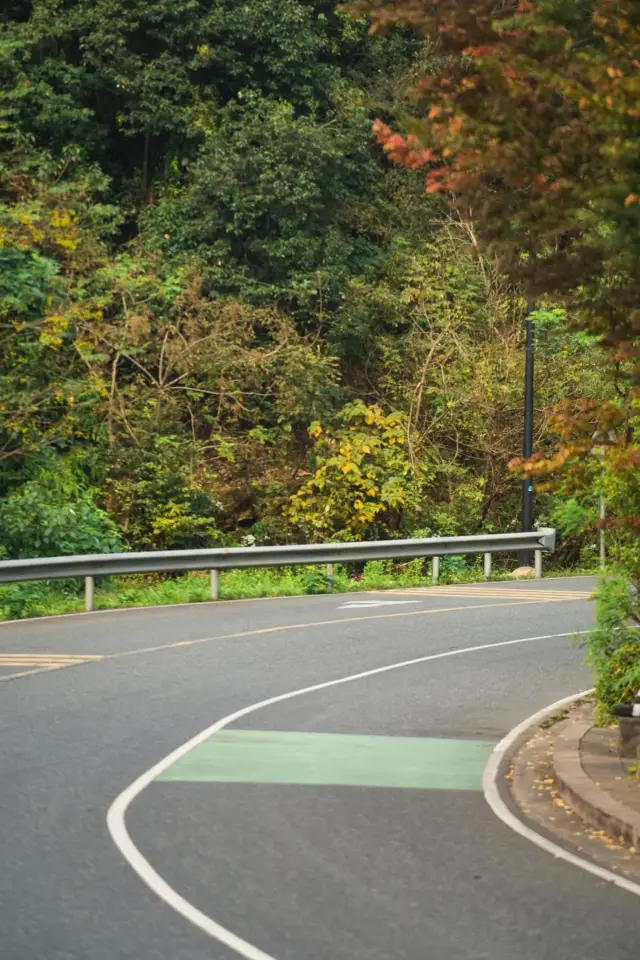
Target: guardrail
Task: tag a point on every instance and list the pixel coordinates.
(90, 566)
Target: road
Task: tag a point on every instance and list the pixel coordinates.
(342, 822)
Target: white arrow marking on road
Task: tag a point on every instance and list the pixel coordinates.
(374, 603)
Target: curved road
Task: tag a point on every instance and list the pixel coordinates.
(341, 823)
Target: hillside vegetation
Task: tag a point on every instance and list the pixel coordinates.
(226, 315)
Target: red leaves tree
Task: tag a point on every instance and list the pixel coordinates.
(533, 124)
(530, 126)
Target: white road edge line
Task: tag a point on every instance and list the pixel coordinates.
(118, 809)
(492, 795)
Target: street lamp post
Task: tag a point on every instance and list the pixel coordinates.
(603, 544)
(527, 449)
(610, 438)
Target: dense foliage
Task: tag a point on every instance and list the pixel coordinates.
(225, 313)
(614, 646)
(530, 127)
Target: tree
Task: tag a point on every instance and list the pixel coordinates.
(269, 207)
(136, 84)
(531, 129)
(203, 253)
(532, 132)
(51, 240)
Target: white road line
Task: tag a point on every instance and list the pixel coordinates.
(29, 673)
(502, 811)
(118, 809)
(358, 604)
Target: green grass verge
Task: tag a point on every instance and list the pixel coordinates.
(46, 598)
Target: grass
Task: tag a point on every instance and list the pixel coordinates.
(48, 597)
(556, 718)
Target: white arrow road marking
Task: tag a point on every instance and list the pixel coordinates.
(374, 603)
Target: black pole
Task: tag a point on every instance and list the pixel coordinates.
(527, 449)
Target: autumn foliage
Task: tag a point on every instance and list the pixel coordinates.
(530, 127)
(227, 316)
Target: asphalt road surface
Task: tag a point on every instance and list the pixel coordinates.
(342, 822)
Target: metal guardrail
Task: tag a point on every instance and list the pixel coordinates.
(229, 558)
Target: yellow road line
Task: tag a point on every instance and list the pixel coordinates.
(26, 661)
(55, 656)
(457, 587)
(494, 596)
(478, 593)
(283, 628)
(66, 657)
(314, 623)
(42, 662)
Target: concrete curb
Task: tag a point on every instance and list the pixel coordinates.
(499, 799)
(582, 794)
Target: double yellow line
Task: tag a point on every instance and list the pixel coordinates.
(495, 593)
(41, 662)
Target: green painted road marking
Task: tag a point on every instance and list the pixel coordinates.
(256, 756)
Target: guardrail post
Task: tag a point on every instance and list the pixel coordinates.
(213, 584)
(88, 594)
(487, 565)
(435, 569)
(538, 563)
(330, 571)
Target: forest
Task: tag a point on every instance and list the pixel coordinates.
(231, 314)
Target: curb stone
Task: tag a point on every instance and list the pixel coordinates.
(577, 789)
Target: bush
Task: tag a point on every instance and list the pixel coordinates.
(152, 494)
(38, 520)
(377, 575)
(613, 648)
(38, 598)
(316, 582)
(618, 679)
(452, 567)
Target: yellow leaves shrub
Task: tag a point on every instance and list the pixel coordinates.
(361, 473)
(64, 233)
(53, 326)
